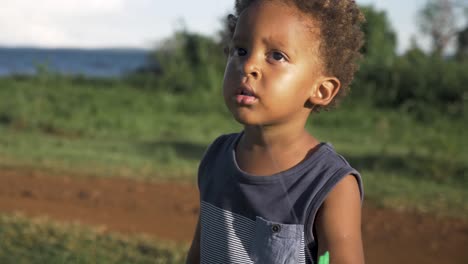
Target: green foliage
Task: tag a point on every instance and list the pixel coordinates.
(418, 84)
(462, 44)
(42, 241)
(106, 127)
(381, 40)
(75, 106)
(190, 63)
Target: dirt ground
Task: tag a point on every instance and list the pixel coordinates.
(168, 211)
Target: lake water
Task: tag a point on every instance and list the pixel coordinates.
(93, 63)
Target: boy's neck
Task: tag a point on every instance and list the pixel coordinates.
(276, 137)
(267, 150)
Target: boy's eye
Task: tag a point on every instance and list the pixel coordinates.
(277, 56)
(239, 52)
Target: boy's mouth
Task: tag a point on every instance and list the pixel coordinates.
(245, 95)
(246, 92)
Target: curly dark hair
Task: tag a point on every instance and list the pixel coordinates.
(340, 24)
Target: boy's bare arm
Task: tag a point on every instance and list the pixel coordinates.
(193, 256)
(338, 224)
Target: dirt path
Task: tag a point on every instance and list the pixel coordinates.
(169, 210)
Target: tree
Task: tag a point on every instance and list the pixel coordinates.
(438, 20)
(380, 38)
(462, 44)
(379, 52)
(190, 62)
(462, 37)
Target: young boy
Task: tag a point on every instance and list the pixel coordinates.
(273, 193)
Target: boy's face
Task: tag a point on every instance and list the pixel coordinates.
(273, 67)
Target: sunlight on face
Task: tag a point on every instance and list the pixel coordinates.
(273, 64)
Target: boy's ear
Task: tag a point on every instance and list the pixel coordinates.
(325, 90)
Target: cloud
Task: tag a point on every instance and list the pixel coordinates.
(51, 22)
(47, 7)
(102, 23)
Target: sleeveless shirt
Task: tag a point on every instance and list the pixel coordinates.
(263, 219)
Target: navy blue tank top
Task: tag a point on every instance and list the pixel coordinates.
(263, 219)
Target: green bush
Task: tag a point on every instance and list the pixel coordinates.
(418, 84)
(189, 63)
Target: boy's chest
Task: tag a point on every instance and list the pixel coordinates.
(278, 199)
(228, 237)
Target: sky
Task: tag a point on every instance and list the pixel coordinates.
(141, 23)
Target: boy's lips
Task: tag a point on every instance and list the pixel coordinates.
(246, 99)
(245, 95)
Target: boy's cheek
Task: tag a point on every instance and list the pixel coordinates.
(227, 81)
(230, 73)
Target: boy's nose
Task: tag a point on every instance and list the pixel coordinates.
(251, 68)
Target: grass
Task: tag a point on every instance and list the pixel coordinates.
(114, 129)
(105, 129)
(40, 240)
(397, 191)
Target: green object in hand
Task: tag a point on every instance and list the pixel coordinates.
(325, 258)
